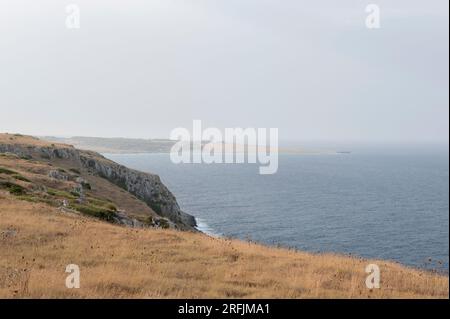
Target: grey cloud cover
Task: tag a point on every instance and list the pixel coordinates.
(310, 68)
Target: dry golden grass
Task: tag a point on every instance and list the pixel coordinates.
(6, 138)
(38, 241)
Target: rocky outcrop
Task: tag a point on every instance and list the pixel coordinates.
(56, 174)
(146, 187)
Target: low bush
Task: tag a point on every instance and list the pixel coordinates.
(60, 193)
(86, 185)
(102, 203)
(21, 178)
(163, 224)
(13, 189)
(6, 171)
(95, 211)
(75, 194)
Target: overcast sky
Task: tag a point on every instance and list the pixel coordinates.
(310, 68)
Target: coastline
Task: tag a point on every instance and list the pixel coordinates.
(204, 228)
(190, 201)
(71, 199)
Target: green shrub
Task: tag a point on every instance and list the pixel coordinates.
(86, 185)
(164, 223)
(6, 171)
(13, 189)
(96, 201)
(21, 178)
(74, 194)
(148, 221)
(102, 203)
(59, 193)
(95, 211)
(17, 190)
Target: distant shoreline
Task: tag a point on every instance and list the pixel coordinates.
(158, 146)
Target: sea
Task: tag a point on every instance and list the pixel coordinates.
(378, 203)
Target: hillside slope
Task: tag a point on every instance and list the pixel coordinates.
(59, 208)
(37, 241)
(86, 178)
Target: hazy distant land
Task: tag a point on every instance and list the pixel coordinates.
(121, 145)
(115, 145)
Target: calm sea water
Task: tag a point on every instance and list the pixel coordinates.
(378, 205)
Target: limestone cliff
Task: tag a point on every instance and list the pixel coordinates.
(145, 186)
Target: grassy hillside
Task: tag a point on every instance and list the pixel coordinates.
(39, 236)
(52, 182)
(38, 241)
(85, 181)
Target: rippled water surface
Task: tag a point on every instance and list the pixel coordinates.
(390, 206)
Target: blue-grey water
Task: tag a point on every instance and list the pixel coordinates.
(391, 205)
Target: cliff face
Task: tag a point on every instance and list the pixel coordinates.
(146, 187)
